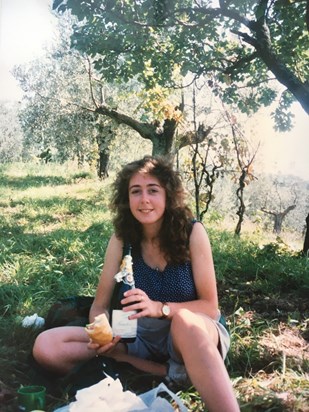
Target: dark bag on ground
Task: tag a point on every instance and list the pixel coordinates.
(72, 311)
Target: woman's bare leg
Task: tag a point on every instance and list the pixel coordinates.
(196, 338)
(60, 349)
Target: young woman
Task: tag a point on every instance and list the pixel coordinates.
(179, 331)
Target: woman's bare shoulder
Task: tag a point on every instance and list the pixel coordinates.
(115, 246)
(199, 237)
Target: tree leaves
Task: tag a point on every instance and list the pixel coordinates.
(237, 43)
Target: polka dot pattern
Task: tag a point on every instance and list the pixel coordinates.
(174, 284)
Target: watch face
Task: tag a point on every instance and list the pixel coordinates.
(166, 310)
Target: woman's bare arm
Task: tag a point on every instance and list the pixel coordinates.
(106, 283)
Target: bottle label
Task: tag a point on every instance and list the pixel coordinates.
(122, 326)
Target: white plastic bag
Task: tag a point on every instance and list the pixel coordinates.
(157, 404)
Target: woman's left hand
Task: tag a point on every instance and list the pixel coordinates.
(138, 300)
(114, 349)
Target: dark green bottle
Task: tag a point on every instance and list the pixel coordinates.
(121, 325)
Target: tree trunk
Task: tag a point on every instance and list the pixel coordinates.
(163, 144)
(103, 162)
(240, 195)
(278, 219)
(106, 134)
(210, 180)
(306, 242)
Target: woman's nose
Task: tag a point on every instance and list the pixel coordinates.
(144, 197)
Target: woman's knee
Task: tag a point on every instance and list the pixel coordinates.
(181, 319)
(184, 320)
(41, 345)
(190, 326)
(182, 324)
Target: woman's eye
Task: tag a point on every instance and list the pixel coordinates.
(135, 192)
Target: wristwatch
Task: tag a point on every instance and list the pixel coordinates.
(166, 310)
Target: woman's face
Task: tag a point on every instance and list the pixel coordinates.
(147, 198)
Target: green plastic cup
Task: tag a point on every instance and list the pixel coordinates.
(31, 398)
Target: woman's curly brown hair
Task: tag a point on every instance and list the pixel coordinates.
(177, 223)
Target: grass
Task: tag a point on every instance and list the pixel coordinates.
(55, 224)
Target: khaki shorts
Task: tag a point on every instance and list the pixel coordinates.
(154, 342)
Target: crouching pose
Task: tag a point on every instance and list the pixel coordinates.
(179, 330)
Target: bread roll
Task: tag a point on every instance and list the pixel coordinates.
(100, 330)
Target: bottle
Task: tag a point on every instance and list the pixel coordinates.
(121, 324)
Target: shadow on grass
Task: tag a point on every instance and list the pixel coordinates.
(54, 209)
(16, 241)
(26, 182)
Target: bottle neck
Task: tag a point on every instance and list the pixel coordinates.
(126, 249)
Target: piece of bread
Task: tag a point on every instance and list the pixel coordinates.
(100, 330)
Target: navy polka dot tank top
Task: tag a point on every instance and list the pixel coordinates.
(174, 284)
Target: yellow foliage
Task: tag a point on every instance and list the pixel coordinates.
(158, 102)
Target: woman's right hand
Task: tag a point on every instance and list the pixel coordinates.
(137, 300)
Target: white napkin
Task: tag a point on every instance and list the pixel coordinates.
(33, 320)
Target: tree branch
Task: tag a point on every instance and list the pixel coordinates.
(240, 63)
(146, 130)
(90, 81)
(216, 12)
(194, 137)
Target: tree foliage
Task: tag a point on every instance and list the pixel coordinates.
(58, 111)
(47, 117)
(235, 43)
(10, 133)
(68, 107)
